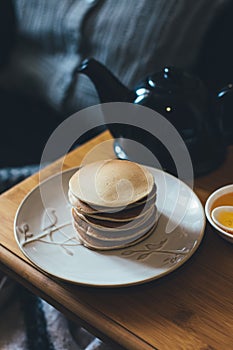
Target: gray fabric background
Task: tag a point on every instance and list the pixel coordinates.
(133, 38)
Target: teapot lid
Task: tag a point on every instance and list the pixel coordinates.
(172, 79)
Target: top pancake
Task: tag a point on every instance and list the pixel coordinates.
(111, 183)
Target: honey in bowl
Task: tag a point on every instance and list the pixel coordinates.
(225, 199)
(225, 217)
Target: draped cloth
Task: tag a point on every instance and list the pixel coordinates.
(132, 38)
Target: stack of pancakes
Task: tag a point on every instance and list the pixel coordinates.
(113, 204)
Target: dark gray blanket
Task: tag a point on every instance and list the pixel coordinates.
(29, 323)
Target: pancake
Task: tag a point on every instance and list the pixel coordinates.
(123, 215)
(95, 244)
(84, 208)
(111, 225)
(111, 183)
(115, 234)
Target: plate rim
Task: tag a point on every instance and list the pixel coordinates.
(112, 285)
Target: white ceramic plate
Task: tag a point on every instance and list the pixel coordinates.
(44, 233)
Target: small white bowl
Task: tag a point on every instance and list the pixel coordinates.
(209, 203)
(215, 216)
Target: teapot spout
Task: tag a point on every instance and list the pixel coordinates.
(108, 87)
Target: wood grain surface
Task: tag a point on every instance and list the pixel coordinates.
(191, 308)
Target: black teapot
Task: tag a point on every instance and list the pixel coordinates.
(176, 95)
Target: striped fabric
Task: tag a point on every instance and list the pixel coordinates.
(132, 37)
